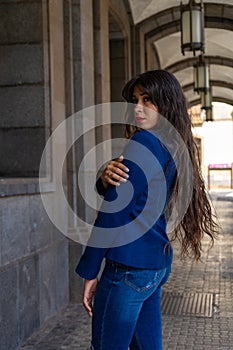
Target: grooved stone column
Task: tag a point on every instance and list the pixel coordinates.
(83, 75)
(79, 62)
(102, 76)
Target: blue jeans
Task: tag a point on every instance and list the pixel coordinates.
(126, 311)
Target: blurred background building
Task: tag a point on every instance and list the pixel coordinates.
(59, 57)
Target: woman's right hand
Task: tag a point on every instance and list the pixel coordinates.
(89, 292)
(115, 173)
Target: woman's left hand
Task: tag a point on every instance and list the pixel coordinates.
(115, 173)
(89, 291)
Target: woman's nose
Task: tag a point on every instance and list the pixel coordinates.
(138, 108)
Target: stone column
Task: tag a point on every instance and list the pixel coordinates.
(79, 62)
(139, 51)
(83, 63)
(102, 76)
(152, 58)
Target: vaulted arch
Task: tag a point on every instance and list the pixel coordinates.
(160, 41)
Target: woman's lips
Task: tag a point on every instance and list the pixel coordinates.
(140, 119)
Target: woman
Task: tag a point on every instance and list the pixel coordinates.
(138, 256)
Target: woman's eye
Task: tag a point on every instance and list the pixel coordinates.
(134, 101)
(146, 99)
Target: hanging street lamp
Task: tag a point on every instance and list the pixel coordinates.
(201, 75)
(192, 27)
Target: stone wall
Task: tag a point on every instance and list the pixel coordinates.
(33, 269)
(34, 264)
(22, 90)
(52, 65)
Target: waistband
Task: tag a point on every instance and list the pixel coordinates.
(121, 266)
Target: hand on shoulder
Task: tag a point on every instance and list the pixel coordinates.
(115, 173)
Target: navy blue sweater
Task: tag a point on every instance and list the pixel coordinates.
(130, 227)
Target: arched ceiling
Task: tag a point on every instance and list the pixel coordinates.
(142, 9)
(159, 21)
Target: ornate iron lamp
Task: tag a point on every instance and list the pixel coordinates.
(192, 27)
(201, 75)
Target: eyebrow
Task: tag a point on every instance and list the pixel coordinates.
(142, 94)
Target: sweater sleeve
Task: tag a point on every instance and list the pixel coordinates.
(90, 262)
(100, 188)
(120, 205)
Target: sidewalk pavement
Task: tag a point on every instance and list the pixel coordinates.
(197, 301)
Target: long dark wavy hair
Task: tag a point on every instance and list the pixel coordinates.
(166, 94)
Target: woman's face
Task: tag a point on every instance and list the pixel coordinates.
(146, 113)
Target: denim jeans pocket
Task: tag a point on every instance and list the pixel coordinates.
(142, 280)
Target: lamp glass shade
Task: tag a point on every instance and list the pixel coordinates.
(191, 34)
(206, 99)
(201, 77)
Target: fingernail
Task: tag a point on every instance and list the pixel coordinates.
(124, 180)
(127, 170)
(127, 176)
(117, 184)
